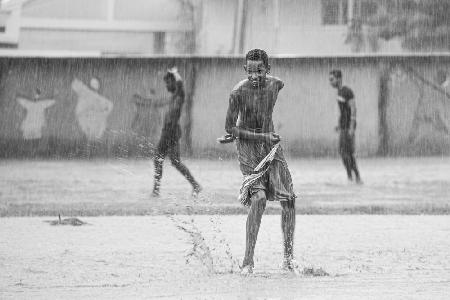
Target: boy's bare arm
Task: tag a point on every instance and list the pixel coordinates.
(250, 135)
(352, 105)
(140, 100)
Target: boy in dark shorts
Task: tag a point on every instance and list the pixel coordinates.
(171, 132)
(347, 124)
(266, 174)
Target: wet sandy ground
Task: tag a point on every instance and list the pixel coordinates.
(123, 187)
(196, 257)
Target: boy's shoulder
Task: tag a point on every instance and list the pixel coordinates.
(275, 81)
(245, 83)
(240, 85)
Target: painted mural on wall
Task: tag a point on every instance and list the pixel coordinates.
(92, 109)
(34, 120)
(147, 117)
(419, 109)
(431, 112)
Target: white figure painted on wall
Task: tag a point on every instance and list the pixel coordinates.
(35, 115)
(432, 112)
(92, 109)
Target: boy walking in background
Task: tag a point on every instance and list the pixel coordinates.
(171, 132)
(347, 124)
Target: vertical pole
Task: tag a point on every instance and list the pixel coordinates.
(238, 26)
(276, 23)
(243, 26)
(110, 4)
(350, 7)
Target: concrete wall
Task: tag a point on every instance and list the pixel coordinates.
(305, 115)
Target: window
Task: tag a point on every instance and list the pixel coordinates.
(334, 12)
(365, 9)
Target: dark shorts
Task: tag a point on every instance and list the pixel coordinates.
(169, 142)
(346, 142)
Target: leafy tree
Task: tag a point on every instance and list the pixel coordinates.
(422, 25)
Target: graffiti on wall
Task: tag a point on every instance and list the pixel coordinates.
(92, 109)
(419, 108)
(34, 120)
(147, 116)
(431, 112)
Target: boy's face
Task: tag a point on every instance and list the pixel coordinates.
(256, 72)
(170, 84)
(334, 81)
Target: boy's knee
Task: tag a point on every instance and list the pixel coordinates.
(159, 159)
(175, 162)
(259, 199)
(345, 155)
(288, 206)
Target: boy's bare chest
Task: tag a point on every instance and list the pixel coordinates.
(258, 101)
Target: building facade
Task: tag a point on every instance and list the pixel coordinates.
(106, 26)
(204, 27)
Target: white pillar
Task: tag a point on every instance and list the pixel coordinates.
(350, 16)
(276, 23)
(111, 4)
(238, 26)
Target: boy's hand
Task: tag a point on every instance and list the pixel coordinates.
(176, 74)
(272, 137)
(227, 138)
(351, 132)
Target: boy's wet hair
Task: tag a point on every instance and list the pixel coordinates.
(336, 73)
(257, 54)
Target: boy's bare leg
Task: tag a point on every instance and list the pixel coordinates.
(257, 207)
(355, 168)
(158, 162)
(288, 228)
(174, 155)
(347, 161)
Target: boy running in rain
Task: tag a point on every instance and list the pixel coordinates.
(347, 124)
(266, 174)
(171, 132)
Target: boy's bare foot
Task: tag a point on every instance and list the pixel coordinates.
(291, 265)
(246, 270)
(197, 189)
